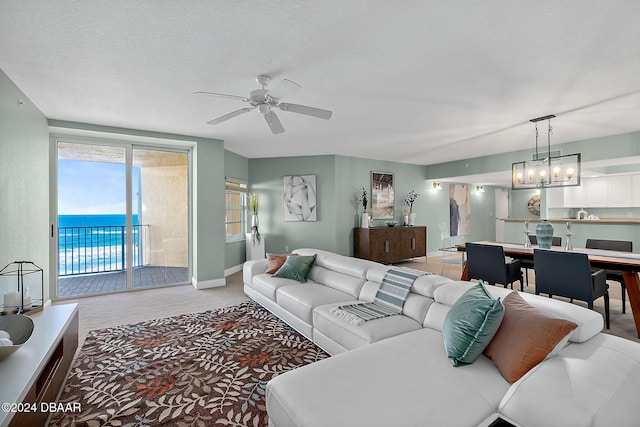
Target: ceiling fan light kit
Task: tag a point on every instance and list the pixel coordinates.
(267, 99)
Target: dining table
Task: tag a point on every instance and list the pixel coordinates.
(626, 262)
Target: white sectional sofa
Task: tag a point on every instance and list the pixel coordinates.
(395, 371)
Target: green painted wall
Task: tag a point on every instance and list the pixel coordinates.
(266, 178)
(353, 173)
(610, 147)
(208, 211)
(483, 225)
(338, 178)
(235, 166)
(518, 201)
(24, 180)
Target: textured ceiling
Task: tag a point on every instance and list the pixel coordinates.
(414, 81)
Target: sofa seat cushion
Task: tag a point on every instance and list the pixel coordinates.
(267, 285)
(351, 336)
(587, 384)
(405, 380)
(301, 300)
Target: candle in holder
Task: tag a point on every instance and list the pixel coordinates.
(26, 299)
(12, 300)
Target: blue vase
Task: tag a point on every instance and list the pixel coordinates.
(544, 231)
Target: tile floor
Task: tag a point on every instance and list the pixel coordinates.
(99, 283)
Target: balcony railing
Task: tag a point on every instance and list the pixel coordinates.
(98, 249)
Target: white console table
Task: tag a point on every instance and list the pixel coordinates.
(36, 371)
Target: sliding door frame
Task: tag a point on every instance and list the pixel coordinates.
(147, 143)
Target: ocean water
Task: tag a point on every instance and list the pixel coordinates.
(96, 243)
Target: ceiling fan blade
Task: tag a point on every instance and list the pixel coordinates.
(309, 111)
(223, 95)
(274, 122)
(228, 116)
(285, 87)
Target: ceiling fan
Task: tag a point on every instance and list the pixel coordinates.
(266, 100)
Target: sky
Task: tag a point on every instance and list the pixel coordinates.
(90, 188)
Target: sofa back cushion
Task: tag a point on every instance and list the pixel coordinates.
(419, 299)
(589, 322)
(339, 281)
(423, 285)
(342, 264)
(345, 274)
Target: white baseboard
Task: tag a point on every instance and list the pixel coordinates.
(230, 271)
(216, 283)
(205, 284)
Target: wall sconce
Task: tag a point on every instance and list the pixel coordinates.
(436, 186)
(480, 188)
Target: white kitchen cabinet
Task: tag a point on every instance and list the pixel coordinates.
(619, 191)
(616, 191)
(575, 197)
(555, 197)
(596, 192)
(635, 190)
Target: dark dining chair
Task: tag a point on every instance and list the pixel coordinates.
(613, 275)
(487, 262)
(555, 240)
(528, 263)
(568, 274)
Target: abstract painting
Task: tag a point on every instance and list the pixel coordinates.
(300, 202)
(382, 195)
(459, 209)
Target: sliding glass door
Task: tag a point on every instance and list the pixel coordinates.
(122, 218)
(163, 207)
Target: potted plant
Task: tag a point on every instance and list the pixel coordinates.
(409, 200)
(362, 199)
(254, 204)
(405, 214)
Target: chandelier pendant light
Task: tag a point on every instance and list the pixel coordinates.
(545, 170)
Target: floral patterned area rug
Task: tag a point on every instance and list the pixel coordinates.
(200, 369)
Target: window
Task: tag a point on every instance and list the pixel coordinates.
(235, 208)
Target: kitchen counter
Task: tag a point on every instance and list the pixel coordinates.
(578, 221)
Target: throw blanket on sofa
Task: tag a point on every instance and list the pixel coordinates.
(389, 300)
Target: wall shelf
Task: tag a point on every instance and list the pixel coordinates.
(578, 221)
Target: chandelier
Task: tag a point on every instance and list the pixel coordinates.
(544, 169)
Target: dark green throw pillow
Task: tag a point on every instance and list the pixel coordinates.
(296, 268)
(470, 325)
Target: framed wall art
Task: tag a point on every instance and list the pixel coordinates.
(459, 210)
(300, 201)
(382, 195)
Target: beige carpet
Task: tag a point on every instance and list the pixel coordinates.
(123, 308)
(117, 309)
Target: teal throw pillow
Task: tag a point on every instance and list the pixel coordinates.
(296, 268)
(470, 325)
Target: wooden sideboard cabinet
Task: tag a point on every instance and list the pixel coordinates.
(390, 244)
